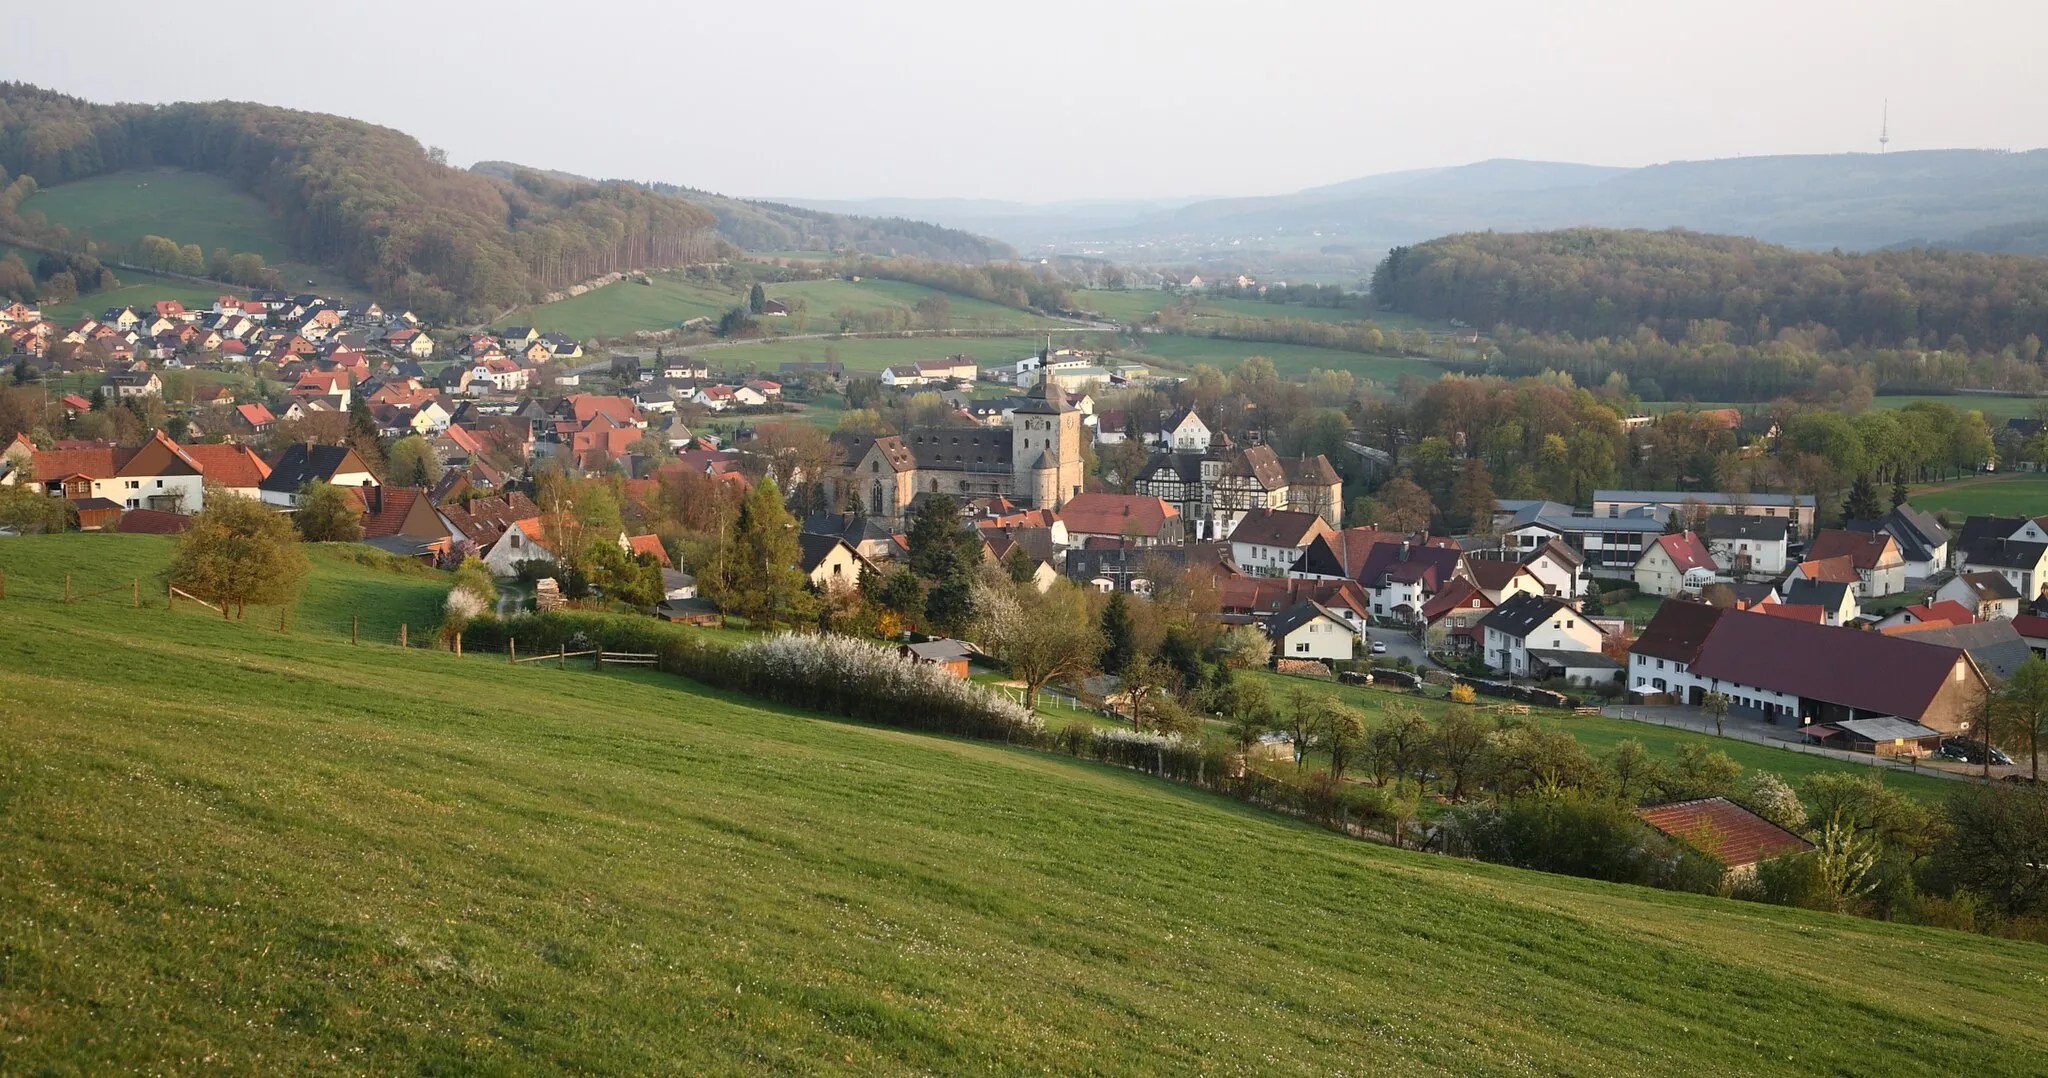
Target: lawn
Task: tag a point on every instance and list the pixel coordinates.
(229, 849)
(1133, 307)
(627, 307)
(870, 354)
(822, 298)
(1290, 360)
(137, 290)
(1599, 734)
(2011, 495)
(190, 207)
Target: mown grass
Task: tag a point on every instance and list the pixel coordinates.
(2013, 495)
(227, 849)
(138, 290)
(120, 208)
(627, 307)
(1290, 360)
(822, 298)
(1599, 734)
(871, 354)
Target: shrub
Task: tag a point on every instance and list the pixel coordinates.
(1463, 694)
(1581, 836)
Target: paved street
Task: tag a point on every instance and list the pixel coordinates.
(1781, 736)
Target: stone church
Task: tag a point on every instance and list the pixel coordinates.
(1035, 461)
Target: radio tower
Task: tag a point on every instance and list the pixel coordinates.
(1884, 129)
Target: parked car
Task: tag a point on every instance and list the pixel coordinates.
(1379, 647)
(1971, 752)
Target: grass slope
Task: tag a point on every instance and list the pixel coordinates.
(228, 849)
(190, 207)
(2013, 495)
(1290, 360)
(821, 298)
(871, 354)
(626, 307)
(138, 290)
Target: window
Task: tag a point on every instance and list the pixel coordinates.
(1660, 664)
(1301, 647)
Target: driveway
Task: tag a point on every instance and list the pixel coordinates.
(1401, 644)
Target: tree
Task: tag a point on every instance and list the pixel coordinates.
(753, 573)
(1843, 859)
(362, 436)
(2000, 844)
(1593, 604)
(900, 592)
(1119, 635)
(1245, 647)
(1716, 704)
(1861, 503)
(414, 461)
(1461, 739)
(1402, 743)
(1341, 730)
(1405, 507)
(757, 299)
(1245, 704)
(630, 580)
(1636, 773)
(1042, 637)
(1899, 491)
(1472, 497)
(239, 552)
(934, 311)
(25, 509)
(328, 514)
(1020, 565)
(2024, 707)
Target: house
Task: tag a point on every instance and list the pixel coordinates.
(1785, 670)
(1498, 581)
(522, 540)
(252, 419)
(1261, 599)
(129, 385)
(1521, 635)
(300, 464)
(868, 536)
(999, 544)
(1840, 569)
(902, 376)
(2023, 563)
(1607, 546)
(1748, 545)
(410, 342)
(717, 398)
(829, 562)
(2033, 630)
(1879, 736)
(1142, 520)
(1880, 569)
(747, 396)
(1940, 612)
(1559, 568)
(1835, 598)
(1726, 832)
(1989, 594)
(1798, 509)
(314, 384)
(1310, 630)
(1923, 541)
(1268, 542)
(158, 475)
(234, 468)
(950, 655)
(650, 546)
(1674, 565)
(403, 521)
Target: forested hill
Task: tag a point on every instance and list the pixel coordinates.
(772, 226)
(368, 200)
(1725, 315)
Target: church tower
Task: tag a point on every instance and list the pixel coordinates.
(1045, 447)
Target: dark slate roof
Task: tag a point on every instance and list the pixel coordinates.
(300, 464)
(1989, 585)
(960, 449)
(1875, 672)
(854, 529)
(2003, 553)
(852, 447)
(1045, 399)
(1577, 660)
(1917, 533)
(1310, 471)
(1261, 464)
(1120, 563)
(1300, 614)
(814, 549)
(1996, 646)
(1275, 527)
(1981, 528)
(1755, 529)
(1677, 631)
(1169, 467)
(1521, 615)
(1827, 593)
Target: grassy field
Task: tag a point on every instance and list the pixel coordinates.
(137, 290)
(1600, 735)
(821, 298)
(871, 353)
(2010, 495)
(627, 307)
(189, 207)
(231, 849)
(1134, 306)
(1290, 360)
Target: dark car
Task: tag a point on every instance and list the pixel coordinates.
(1972, 752)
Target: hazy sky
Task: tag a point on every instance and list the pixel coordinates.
(1056, 99)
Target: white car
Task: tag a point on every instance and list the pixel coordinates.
(1379, 647)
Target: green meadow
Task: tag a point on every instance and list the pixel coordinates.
(226, 848)
(1290, 360)
(2013, 495)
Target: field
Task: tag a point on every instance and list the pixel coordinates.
(1133, 306)
(1291, 360)
(2012, 495)
(625, 307)
(1997, 408)
(137, 290)
(189, 207)
(870, 354)
(229, 849)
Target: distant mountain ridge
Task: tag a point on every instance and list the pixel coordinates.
(1812, 201)
(760, 225)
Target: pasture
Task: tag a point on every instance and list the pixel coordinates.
(2024, 494)
(231, 849)
(1290, 360)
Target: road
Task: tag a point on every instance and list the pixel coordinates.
(1400, 645)
(1760, 732)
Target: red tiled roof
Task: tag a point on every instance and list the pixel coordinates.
(648, 544)
(1724, 830)
(587, 405)
(1117, 514)
(1947, 610)
(1458, 593)
(2031, 627)
(232, 466)
(255, 414)
(1863, 549)
(1840, 569)
(1686, 551)
(152, 522)
(1889, 675)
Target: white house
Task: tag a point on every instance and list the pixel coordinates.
(1185, 433)
(520, 542)
(1267, 542)
(1310, 630)
(1749, 545)
(1673, 564)
(1519, 634)
(1988, 595)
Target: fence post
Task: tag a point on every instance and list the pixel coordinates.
(401, 634)
(597, 658)
(458, 645)
(135, 592)
(283, 612)
(511, 652)
(67, 587)
(353, 619)
(170, 597)
(563, 658)
(3, 585)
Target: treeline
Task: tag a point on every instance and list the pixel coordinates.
(1723, 316)
(55, 278)
(1011, 284)
(169, 256)
(370, 200)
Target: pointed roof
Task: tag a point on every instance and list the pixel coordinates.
(1045, 398)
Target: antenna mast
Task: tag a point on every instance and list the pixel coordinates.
(1884, 130)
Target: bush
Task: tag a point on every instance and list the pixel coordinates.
(1581, 836)
(1463, 694)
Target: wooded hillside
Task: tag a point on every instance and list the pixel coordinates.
(370, 200)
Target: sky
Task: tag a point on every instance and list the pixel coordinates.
(1054, 100)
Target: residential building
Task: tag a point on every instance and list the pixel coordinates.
(1748, 545)
(1836, 599)
(1268, 542)
(1796, 508)
(300, 464)
(1674, 565)
(1141, 520)
(1923, 541)
(1607, 546)
(829, 562)
(1522, 635)
(1310, 630)
(1989, 594)
(2023, 563)
(158, 475)
(1880, 569)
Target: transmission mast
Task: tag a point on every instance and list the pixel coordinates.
(1884, 129)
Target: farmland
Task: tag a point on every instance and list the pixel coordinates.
(871, 354)
(189, 207)
(2011, 495)
(1290, 360)
(228, 848)
(1997, 407)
